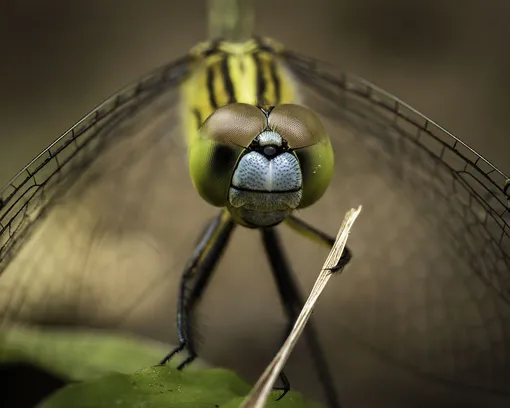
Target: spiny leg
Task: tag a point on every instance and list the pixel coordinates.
(319, 237)
(293, 303)
(195, 277)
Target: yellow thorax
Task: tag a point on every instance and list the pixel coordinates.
(223, 72)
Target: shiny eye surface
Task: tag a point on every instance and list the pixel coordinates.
(299, 126)
(236, 124)
(305, 134)
(217, 147)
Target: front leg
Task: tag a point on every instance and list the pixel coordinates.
(195, 277)
(315, 235)
(293, 303)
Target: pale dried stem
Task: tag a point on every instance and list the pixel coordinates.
(260, 392)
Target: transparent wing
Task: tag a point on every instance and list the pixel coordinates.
(429, 285)
(98, 228)
(92, 214)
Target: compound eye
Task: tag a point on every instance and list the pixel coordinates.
(307, 137)
(298, 125)
(235, 124)
(215, 151)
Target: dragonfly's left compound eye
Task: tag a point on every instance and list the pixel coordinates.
(220, 142)
(307, 137)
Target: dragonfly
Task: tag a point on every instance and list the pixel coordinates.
(252, 137)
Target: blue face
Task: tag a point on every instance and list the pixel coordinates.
(267, 182)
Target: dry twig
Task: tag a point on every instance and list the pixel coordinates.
(260, 392)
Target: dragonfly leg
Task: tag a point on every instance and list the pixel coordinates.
(292, 302)
(195, 277)
(317, 236)
(285, 387)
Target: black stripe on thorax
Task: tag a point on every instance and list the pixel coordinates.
(227, 79)
(210, 87)
(198, 117)
(224, 71)
(276, 81)
(261, 83)
(262, 79)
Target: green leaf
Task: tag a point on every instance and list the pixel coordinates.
(165, 387)
(79, 355)
(100, 364)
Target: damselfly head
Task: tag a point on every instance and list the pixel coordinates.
(261, 163)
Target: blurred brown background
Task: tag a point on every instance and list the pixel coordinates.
(449, 60)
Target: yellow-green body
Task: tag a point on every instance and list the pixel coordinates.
(241, 60)
(253, 73)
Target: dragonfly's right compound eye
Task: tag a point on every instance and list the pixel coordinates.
(220, 143)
